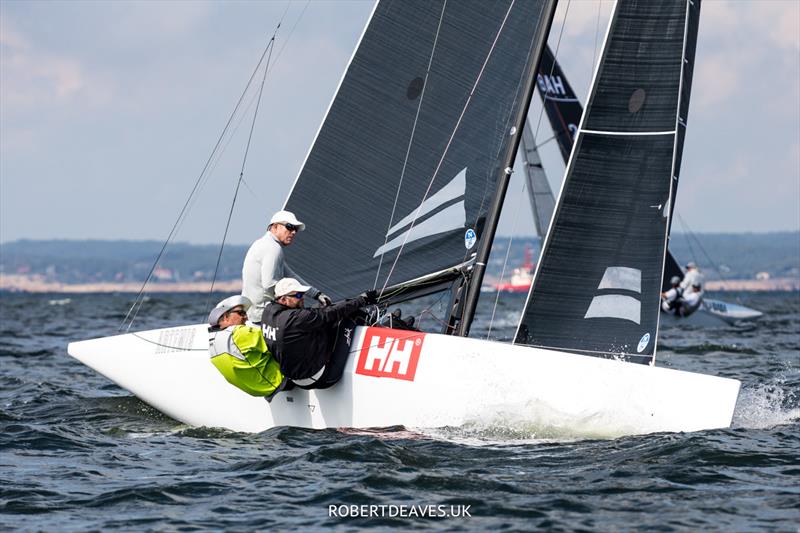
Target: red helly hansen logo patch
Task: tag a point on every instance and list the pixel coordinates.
(388, 353)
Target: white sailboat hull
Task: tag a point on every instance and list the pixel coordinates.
(420, 380)
(714, 313)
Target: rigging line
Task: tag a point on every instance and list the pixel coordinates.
(502, 126)
(408, 148)
(429, 310)
(271, 47)
(291, 31)
(700, 245)
(549, 139)
(688, 236)
(232, 133)
(271, 65)
(137, 304)
(508, 252)
(596, 34)
(552, 68)
(449, 142)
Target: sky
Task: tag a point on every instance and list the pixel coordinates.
(110, 109)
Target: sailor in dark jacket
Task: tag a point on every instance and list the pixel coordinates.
(303, 340)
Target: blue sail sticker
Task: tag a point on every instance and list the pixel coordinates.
(470, 238)
(643, 342)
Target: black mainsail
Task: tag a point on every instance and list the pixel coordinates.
(596, 289)
(399, 181)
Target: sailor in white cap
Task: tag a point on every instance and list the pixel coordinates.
(264, 264)
(690, 302)
(692, 277)
(239, 351)
(303, 339)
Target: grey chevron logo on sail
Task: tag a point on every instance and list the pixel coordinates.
(621, 306)
(450, 218)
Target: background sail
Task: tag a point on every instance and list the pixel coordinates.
(597, 286)
(560, 102)
(541, 196)
(564, 113)
(388, 135)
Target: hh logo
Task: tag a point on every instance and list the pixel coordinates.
(270, 333)
(388, 353)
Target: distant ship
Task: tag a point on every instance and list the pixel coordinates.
(521, 277)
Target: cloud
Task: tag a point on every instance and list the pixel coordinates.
(34, 79)
(775, 22)
(740, 41)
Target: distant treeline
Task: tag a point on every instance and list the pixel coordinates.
(70, 261)
(734, 256)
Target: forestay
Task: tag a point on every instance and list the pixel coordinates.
(597, 285)
(404, 165)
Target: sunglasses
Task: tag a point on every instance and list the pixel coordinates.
(240, 312)
(291, 227)
(298, 295)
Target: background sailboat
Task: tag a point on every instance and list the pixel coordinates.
(564, 112)
(404, 180)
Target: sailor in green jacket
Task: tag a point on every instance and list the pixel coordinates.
(239, 351)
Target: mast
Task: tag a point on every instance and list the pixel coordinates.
(504, 176)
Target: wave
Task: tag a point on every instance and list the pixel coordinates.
(768, 404)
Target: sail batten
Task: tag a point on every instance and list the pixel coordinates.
(597, 285)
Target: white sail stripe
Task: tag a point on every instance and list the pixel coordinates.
(454, 217)
(625, 278)
(457, 187)
(615, 306)
(600, 132)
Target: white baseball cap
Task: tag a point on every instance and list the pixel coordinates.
(289, 286)
(226, 305)
(286, 217)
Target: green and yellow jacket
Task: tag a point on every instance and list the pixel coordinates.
(242, 356)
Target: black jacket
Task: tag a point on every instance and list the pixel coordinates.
(302, 340)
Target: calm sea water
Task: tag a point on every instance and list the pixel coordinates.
(78, 453)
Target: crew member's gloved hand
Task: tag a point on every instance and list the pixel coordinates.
(324, 299)
(370, 297)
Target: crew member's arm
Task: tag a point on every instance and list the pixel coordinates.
(310, 319)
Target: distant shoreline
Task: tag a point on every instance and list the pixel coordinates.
(34, 284)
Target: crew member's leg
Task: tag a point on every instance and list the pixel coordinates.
(341, 353)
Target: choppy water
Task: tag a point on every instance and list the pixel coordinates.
(77, 453)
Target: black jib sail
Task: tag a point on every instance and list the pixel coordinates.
(597, 285)
(400, 177)
(564, 112)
